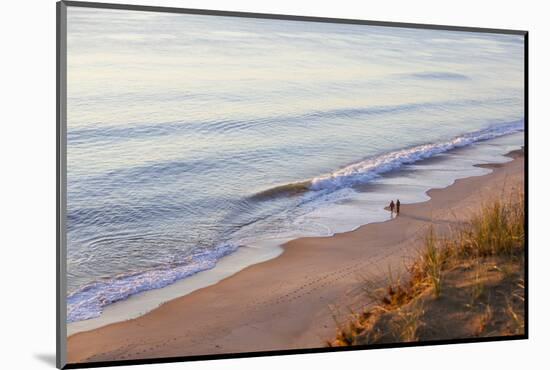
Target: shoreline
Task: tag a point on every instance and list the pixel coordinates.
(361, 209)
(319, 282)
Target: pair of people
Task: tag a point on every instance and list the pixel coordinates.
(395, 206)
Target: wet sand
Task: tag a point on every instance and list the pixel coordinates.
(292, 301)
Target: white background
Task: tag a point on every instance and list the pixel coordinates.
(27, 206)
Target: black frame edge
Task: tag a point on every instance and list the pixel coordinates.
(526, 179)
(226, 13)
(61, 173)
(162, 360)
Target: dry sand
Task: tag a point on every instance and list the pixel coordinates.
(290, 302)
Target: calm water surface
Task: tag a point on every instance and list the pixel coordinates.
(189, 136)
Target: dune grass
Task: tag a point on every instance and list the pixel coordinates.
(466, 283)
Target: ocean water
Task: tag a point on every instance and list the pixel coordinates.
(193, 137)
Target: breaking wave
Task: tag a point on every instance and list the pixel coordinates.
(88, 302)
(370, 168)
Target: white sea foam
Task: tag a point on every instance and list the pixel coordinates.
(370, 168)
(89, 301)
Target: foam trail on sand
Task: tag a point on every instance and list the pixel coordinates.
(88, 302)
(370, 168)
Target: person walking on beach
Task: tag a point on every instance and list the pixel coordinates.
(392, 206)
(397, 206)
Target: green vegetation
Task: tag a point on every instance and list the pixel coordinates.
(466, 283)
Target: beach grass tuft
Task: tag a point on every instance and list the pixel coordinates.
(466, 283)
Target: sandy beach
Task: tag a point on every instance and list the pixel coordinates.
(292, 301)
